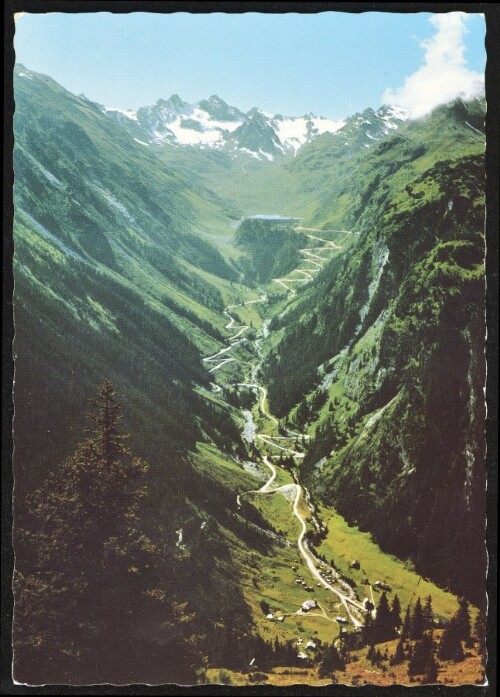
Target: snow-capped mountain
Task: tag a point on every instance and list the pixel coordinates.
(212, 123)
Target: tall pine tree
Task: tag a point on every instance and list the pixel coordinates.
(450, 647)
(396, 613)
(87, 573)
(406, 628)
(428, 613)
(383, 628)
(422, 661)
(417, 621)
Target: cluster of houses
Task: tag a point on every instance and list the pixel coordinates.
(300, 581)
(328, 574)
(307, 605)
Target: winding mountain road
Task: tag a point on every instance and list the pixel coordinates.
(353, 608)
(309, 258)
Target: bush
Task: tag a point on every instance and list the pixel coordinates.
(225, 677)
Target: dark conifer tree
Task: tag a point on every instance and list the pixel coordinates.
(399, 655)
(372, 655)
(406, 629)
(396, 613)
(428, 613)
(432, 672)
(422, 658)
(84, 566)
(463, 619)
(450, 648)
(383, 628)
(417, 621)
(331, 662)
(368, 632)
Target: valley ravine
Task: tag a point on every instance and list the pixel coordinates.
(317, 568)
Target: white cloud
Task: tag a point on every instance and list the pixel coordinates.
(444, 75)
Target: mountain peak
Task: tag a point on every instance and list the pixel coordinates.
(213, 123)
(173, 102)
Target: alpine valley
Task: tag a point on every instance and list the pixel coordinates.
(279, 325)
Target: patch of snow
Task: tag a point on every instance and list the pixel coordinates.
(250, 152)
(140, 141)
(207, 122)
(327, 126)
(209, 132)
(266, 155)
(395, 112)
(291, 132)
(129, 113)
(295, 132)
(188, 136)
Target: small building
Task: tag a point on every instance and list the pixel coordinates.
(270, 617)
(341, 620)
(310, 645)
(355, 564)
(301, 654)
(309, 605)
(280, 618)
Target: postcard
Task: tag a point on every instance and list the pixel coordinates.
(249, 310)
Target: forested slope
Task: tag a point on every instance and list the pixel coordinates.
(389, 342)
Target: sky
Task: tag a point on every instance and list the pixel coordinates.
(332, 64)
